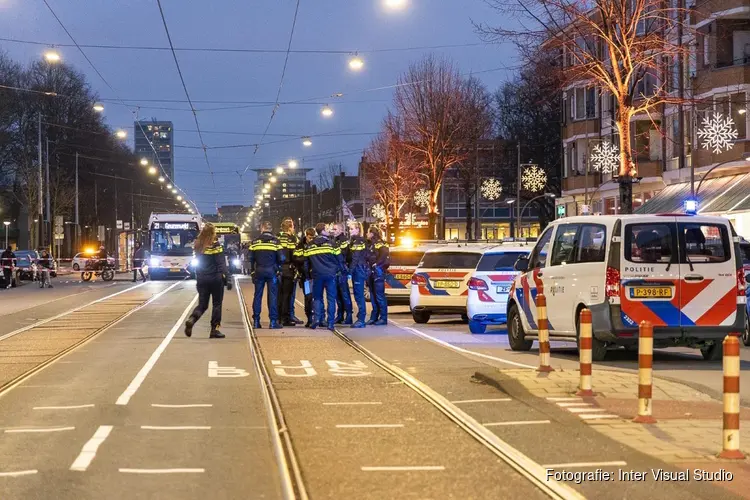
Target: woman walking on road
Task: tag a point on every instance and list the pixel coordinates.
(211, 275)
(139, 256)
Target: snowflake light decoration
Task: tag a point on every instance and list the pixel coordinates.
(533, 178)
(605, 158)
(378, 211)
(410, 219)
(491, 188)
(717, 133)
(422, 198)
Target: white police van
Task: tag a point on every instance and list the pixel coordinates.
(680, 272)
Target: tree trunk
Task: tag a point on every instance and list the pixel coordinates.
(627, 167)
(432, 215)
(626, 194)
(469, 222)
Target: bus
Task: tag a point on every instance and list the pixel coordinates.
(171, 238)
(229, 236)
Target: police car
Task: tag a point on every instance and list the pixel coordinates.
(440, 282)
(489, 286)
(404, 261)
(682, 273)
(745, 250)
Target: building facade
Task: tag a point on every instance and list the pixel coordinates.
(160, 134)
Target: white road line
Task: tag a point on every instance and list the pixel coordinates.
(568, 405)
(585, 410)
(176, 427)
(162, 471)
(597, 416)
(38, 429)
(88, 452)
(497, 400)
(516, 422)
(616, 463)
(72, 407)
(368, 426)
(124, 398)
(459, 349)
(403, 468)
(196, 405)
(352, 403)
(563, 399)
(18, 473)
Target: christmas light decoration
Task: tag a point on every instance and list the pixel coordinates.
(533, 178)
(605, 158)
(718, 133)
(422, 198)
(491, 189)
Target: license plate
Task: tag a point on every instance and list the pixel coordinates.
(175, 270)
(503, 289)
(403, 276)
(447, 284)
(651, 292)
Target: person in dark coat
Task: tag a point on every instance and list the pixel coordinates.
(139, 255)
(381, 260)
(46, 265)
(211, 277)
(8, 262)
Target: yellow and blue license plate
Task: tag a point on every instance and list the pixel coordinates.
(403, 276)
(447, 284)
(173, 270)
(651, 292)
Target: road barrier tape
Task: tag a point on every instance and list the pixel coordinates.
(544, 350)
(731, 426)
(645, 373)
(585, 344)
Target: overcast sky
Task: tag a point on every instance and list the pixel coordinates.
(140, 77)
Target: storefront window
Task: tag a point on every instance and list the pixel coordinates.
(609, 206)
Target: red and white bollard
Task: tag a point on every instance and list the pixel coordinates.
(645, 373)
(541, 312)
(585, 344)
(731, 428)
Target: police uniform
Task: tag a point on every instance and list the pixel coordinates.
(211, 276)
(288, 244)
(8, 262)
(305, 275)
(381, 260)
(358, 260)
(325, 262)
(344, 298)
(266, 258)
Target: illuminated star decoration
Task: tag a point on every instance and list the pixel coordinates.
(605, 158)
(491, 188)
(422, 198)
(533, 178)
(378, 211)
(718, 133)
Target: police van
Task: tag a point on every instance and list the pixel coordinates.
(404, 261)
(682, 273)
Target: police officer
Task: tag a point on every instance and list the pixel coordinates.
(211, 277)
(8, 262)
(266, 258)
(305, 274)
(288, 241)
(380, 261)
(325, 261)
(139, 256)
(344, 298)
(359, 267)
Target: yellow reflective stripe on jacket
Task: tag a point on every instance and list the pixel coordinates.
(298, 252)
(378, 246)
(213, 250)
(322, 250)
(344, 244)
(356, 248)
(265, 246)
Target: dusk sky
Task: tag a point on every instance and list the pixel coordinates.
(246, 82)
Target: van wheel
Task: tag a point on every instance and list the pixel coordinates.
(746, 333)
(477, 327)
(713, 352)
(465, 318)
(420, 317)
(516, 335)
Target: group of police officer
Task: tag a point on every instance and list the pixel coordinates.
(321, 262)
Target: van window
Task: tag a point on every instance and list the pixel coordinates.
(406, 259)
(539, 254)
(649, 243)
(498, 261)
(565, 244)
(450, 260)
(745, 249)
(705, 243)
(592, 243)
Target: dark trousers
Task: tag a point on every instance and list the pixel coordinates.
(327, 283)
(8, 274)
(292, 296)
(213, 290)
(287, 292)
(261, 280)
(359, 277)
(344, 298)
(309, 305)
(377, 295)
(137, 266)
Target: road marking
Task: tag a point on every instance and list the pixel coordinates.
(343, 369)
(304, 365)
(38, 429)
(369, 426)
(162, 471)
(459, 349)
(597, 416)
(88, 452)
(585, 410)
(176, 427)
(563, 399)
(496, 400)
(216, 371)
(403, 468)
(616, 463)
(72, 407)
(124, 398)
(568, 405)
(196, 405)
(18, 473)
(345, 403)
(516, 422)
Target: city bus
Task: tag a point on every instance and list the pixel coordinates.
(229, 236)
(171, 238)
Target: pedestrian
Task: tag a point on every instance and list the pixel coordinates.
(381, 260)
(344, 297)
(8, 262)
(305, 274)
(46, 265)
(297, 279)
(245, 260)
(139, 257)
(359, 267)
(266, 258)
(289, 243)
(211, 277)
(325, 261)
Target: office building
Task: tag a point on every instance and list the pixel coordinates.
(161, 136)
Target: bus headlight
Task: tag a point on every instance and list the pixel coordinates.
(194, 263)
(154, 262)
(236, 262)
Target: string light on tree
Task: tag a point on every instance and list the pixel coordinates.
(717, 133)
(378, 211)
(605, 158)
(491, 188)
(422, 198)
(533, 178)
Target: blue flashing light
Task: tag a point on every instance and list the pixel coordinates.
(691, 207)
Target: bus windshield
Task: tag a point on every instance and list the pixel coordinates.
(173, 239)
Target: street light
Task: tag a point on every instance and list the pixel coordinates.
(169, 186)
(356, 63)
(7, 223)
(273, 180)
(121, 134)
(292, 163)
(520, 214)
(161, 178)
(98, 107)
(279, 170)
(52, 56)
(394, 4)
(326, 111)
(307, 142)
(144, 162)
(152, 170)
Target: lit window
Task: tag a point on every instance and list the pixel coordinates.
(286, 196)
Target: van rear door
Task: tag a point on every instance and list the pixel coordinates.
(708, 295)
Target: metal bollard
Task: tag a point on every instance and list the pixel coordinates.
(541, 311)
(584, 350)
(731, 428)
(645, 373)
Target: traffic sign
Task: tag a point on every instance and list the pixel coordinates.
(126, 226)
(119, 224)
(59, 230)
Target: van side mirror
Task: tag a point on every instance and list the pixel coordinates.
(522, 264)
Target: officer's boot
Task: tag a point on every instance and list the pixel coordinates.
(348, 320)
(373, 320)
(215, 333)
(359, 324)
(332, 326)
(382, 321)
(275, 325)
(256, 323)
(298, 321)
(339, 318)
(313, 322)
(309, 322)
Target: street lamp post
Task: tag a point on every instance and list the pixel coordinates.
(520, 213)
(7, 226)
